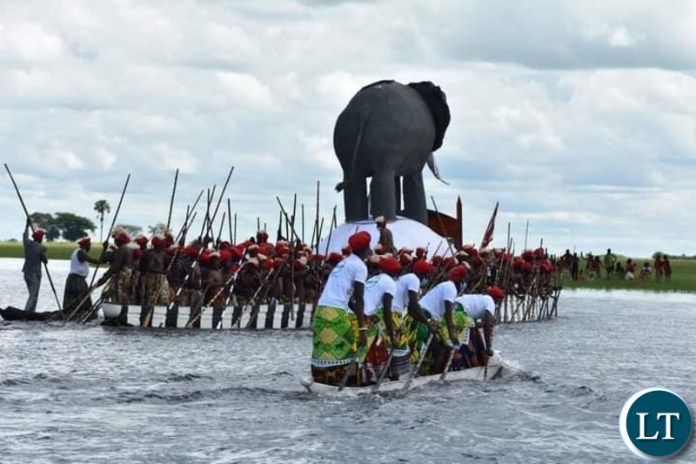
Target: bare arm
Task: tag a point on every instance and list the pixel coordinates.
(387, 307)
(359, 302)
(488, 323)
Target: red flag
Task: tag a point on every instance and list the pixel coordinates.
(488, 234)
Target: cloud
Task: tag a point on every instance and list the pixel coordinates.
(579, 118)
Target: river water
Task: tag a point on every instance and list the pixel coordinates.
(90, 394)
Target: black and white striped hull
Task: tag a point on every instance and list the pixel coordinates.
(259, 317)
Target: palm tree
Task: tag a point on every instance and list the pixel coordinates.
(101, 207)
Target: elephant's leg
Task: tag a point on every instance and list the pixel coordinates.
(382, 198)
(355, 199)
(414, 198)
(397, 193)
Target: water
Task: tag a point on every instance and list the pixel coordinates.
(92, 394)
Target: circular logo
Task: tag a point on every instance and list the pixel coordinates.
(655, 423)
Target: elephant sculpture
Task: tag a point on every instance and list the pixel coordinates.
(389, 132)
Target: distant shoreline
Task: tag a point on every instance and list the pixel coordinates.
(683, 278)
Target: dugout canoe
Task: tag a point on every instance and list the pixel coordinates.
(475, 374)
(15, 314)
(254, 317)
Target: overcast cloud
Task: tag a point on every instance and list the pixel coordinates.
(578, 116)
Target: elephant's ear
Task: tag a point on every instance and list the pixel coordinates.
(436, 100)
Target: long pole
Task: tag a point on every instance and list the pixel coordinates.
(234, 238)
(26, 213)
(229, 219)
(526, 233)
(171, 201)
(302, 213)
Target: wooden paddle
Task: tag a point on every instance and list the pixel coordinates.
(415, 372)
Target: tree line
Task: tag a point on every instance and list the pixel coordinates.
(72, 227)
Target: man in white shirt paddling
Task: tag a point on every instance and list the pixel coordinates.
(480, 308)
(405, 304)
(438, 305)
(339, 322)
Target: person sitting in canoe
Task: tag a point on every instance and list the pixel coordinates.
(405, 306)
(438, 305)
(382, 321)
(339, 327)
(479, 307)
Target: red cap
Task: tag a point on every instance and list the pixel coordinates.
(457, 273)
(38, 234)
(141, 239)
(390, 265)
(84, 241)
(360, 241)
(423, 267)
(496, 292)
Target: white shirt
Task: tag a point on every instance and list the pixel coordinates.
(375, 288)
(404, 284)
(434, 300)
(76, 267)
(476, 305)
(339, 285)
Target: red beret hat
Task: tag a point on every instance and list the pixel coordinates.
(360, 241)
(496, 292)
(423, 267)
(38, 234)
(390, 265)
(457, 273)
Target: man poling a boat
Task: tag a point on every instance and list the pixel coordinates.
(479, 308)
(76, 288)
(339, 325)
(384, 324)
(452, 324)
(34, 258)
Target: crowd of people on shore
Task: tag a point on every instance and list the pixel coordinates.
(610, 267)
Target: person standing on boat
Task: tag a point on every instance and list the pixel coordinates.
(405, 305)
(76, 287)
(154, 291)
(386, 238)
(383, 323)
(339, 325)
(479, 307)
(438, 305)
(119, 273)
(34, 257)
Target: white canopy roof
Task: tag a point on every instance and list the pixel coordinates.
(406, 232)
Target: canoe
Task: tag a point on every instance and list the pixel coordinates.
(257, 317)
(15, 314)
(476, 374)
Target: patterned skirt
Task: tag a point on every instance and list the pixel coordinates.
(334, 344)
(120, 287)
(418, 333)
(155, 289)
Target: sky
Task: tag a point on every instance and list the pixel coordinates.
(579, 116)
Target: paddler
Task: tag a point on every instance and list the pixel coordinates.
(34, 256)
(76, 287)
(339, 324)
